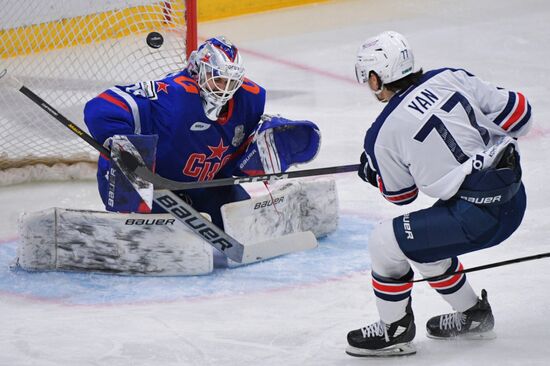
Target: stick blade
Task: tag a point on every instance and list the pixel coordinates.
(6, 80)
(291, 243)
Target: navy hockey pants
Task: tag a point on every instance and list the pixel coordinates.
(454, 227)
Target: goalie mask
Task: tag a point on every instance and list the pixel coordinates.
(388, 55)
(218, 69)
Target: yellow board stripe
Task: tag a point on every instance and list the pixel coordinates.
(120, 23)
(89, 28)
(218, 9)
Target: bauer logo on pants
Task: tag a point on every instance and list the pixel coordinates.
(407, 226)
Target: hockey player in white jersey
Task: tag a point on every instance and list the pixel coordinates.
(453, 137)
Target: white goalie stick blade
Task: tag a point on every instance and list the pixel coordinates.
(272, 248)
(396, 350)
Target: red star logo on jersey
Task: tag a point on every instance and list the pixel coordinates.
(218, 151)
(161, 86)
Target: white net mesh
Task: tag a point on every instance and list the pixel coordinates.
(67, 51)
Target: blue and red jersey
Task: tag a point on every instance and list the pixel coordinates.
(190, 146)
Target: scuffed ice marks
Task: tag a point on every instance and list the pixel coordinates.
(339, 255)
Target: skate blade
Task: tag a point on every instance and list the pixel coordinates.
(401, 349)
(468, 336)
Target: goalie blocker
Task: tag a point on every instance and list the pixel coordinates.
(157, 244)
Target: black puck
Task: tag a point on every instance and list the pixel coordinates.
(155, 40)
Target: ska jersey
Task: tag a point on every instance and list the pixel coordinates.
(190, 146)
(426, 136)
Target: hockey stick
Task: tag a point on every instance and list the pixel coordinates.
(182, 211)
(138, 167)
(485, 266)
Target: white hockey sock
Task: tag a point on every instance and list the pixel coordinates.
(391, 311)
(454, 288)
(462, 299)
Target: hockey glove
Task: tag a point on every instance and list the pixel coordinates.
(279, 143)
(120, 190)
(365, 172)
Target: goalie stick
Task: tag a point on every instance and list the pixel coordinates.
(136, 165)
(182, 211)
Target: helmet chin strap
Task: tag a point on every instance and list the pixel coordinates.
(378, 94)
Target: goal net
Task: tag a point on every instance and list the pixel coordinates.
(68, 51)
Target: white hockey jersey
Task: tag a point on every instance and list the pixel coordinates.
(427, 136)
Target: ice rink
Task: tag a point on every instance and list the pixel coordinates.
(297, 310)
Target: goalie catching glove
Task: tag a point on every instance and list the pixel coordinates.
(279, 143)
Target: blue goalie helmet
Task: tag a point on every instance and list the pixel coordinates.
(217, 66)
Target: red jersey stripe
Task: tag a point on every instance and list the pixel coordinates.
(253, 172)
(520, 109)
(403, 196)
(115, 101)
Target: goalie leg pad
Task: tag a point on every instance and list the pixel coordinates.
(125, 244)
(319, 206)
(294, 207)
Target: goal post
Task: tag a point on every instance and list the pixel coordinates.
(68, 51)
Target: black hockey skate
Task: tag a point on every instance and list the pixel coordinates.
(383, 340)
(475, 323)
